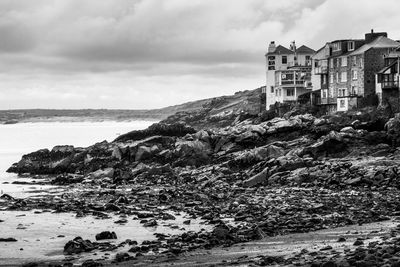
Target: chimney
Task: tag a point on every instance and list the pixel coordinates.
(369, 37)
(271, 47)
(293, 46)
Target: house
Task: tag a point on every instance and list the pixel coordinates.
(319, 75)
(352, 64)
(387, 80)
(288, 73)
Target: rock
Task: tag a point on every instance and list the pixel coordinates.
(143, 153)
(8, 239)
(259, 178)
(106, 235)
(349, 130)
(358, 242)
(329, 144)
(221, 232)
(91, 263)
(78, 245)
(150, 223)
(120, 257)
(116, 153)
(203, 135)
(319, 122)
(163, 129)
(392, 128)
(7, 197)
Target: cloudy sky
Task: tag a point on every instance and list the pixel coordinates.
(139, 54)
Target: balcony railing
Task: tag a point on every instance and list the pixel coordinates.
(292, 83)
(390, 84)
(321, 70)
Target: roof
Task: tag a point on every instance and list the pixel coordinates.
(320, 53)
(380, 42)
(305, 50)
(387, 67)
(280, 50)
(346, 40)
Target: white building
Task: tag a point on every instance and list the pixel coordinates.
(288, 73)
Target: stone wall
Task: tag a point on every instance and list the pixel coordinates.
(374, 62)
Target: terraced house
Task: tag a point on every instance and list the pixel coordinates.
(387, 80)
(288, 73)
(344, 71)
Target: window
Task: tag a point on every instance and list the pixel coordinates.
(324, 94)
(331, 63)
(337, 46)
(350, 46)
(271, 62)
(353, 90)
(343, 76)
(284, 59)
(331, 78)
(337, 77)
(323, 79)
(338, 62)
(342, 92)
(290, 92)
(315, 63)
(361, 62)
(354, 61)
(342, 103)
(308, 60)
(344, 61)
(272, 89)
(354, 74)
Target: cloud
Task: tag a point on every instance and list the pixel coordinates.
(153, 53)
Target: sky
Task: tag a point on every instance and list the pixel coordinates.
(144, 54)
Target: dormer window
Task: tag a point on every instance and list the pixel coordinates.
(350, 46)
(337, 46)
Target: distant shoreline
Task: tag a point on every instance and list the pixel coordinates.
(75, 119)
(82, 115)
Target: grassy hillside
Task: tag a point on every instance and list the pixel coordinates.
(248, 101)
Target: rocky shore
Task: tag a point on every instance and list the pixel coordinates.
(248, 181)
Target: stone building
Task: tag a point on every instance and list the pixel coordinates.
(288, 73)
(387, 80)
(350, 72)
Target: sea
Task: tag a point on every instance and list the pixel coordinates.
(22, 138)
(40, 235)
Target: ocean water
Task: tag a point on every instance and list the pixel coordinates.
(41, 236)
(22, 138)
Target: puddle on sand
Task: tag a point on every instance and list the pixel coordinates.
(41, 237)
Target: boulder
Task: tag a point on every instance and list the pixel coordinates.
(143, 153)
(163, 129)
(108, 172)
(78, 245)
(259, 178)
(106, 235)
(392, 128)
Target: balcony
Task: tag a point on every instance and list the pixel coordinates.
(290, 83)
(390, 84)
(321, 70)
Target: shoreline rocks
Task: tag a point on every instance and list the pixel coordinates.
(276, 177)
